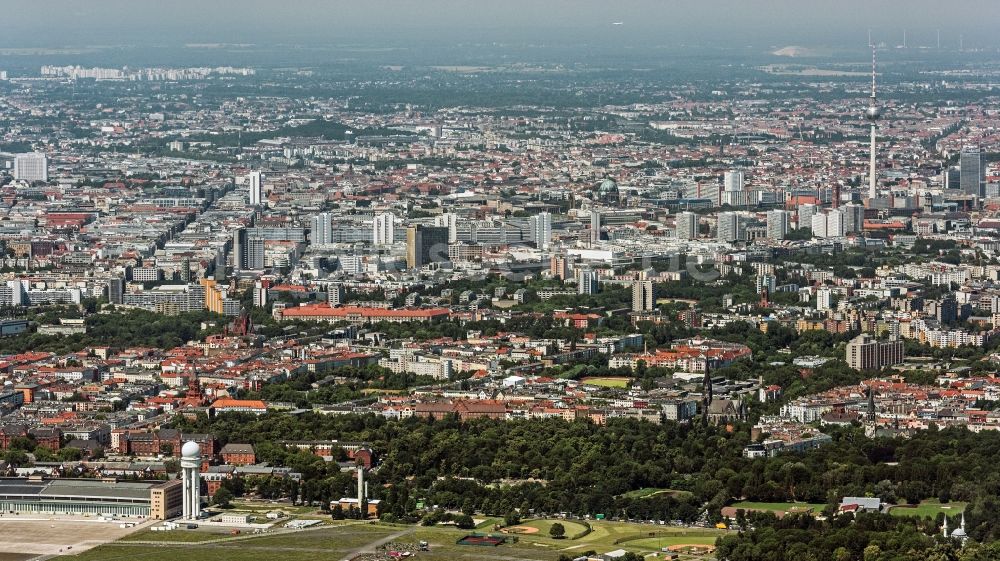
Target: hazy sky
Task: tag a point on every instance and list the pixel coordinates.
(103, 22)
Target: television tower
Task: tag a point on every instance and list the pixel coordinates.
(872, 114)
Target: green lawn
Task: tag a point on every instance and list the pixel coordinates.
(488, 523)
(607, 536)
(335, 542)
(779, 507)
(929, 508)
(177, 536)
(652, 492)
(607, 382)
(260, 507)
(667, 540)
(443, 547)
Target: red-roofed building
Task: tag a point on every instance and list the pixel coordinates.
(226, 405)
(358, 315)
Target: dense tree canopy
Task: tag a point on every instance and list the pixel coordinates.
(556, 466)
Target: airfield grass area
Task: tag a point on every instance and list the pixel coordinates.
(606, 382)
(929, 508)
(178, 536)
(304, 545)
(262, 507)
(335, 543)
(605, 536)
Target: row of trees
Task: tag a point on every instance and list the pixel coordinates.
(310, 388)
(865, 537)
(121, 329)
(549, 466)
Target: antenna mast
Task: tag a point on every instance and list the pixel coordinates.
(873, 75)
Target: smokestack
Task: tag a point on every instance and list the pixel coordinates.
(361, 485)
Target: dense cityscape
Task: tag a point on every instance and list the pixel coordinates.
(714, 303)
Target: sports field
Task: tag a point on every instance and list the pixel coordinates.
(606, 382)
(543, 526)
(779, 507)
(929, 508)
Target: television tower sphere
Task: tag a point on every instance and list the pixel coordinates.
(873, 113)
(191, 449)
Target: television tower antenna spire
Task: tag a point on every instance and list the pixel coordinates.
(873, 75)
(872, 114)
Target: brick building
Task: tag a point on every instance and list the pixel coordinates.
(49, 438)
(164, 441)
(238, 454)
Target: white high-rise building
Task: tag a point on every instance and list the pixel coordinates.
(595, 226)
(541, 227)
(806, 213)
(824, 299)
(384, 227)
(734, 180)
(728, 229)
(448, 220)
(18, 292)
(351, 264)
(31, 167)
(322, 228)
(259, 295)
(686, 226)
(819, 225)
(587, 282)
(777, 224)
(255, 186)
(835, 223)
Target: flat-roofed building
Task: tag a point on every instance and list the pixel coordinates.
(149, 499)
(864, 352)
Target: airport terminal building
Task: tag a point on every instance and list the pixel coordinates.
(159, 500)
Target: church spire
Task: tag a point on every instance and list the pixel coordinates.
(871, 405)
(706, 397)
